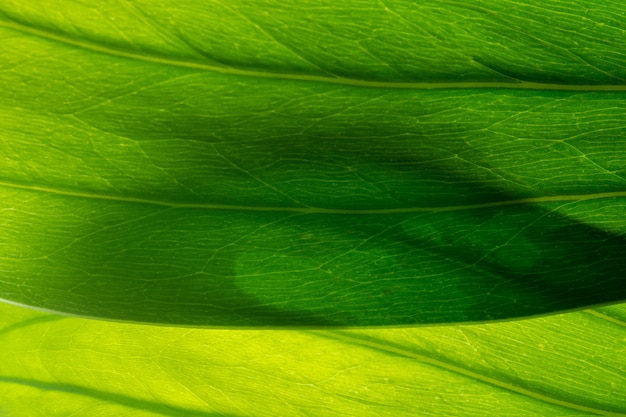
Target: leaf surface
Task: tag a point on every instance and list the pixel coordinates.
(305, 164)
(565, 365)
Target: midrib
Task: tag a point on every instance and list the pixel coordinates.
(520, 85)
(317, 210)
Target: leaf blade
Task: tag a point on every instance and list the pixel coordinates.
(499, 367)
(483, 201)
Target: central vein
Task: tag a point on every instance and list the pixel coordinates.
(318, 210)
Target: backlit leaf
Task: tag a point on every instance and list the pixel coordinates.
(565, 365)
(311, 163)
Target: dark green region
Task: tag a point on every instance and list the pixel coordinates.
(217, 268)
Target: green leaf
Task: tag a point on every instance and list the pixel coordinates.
(312, 164)
(566, 365)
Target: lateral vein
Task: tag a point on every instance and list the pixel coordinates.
(460, 370)
(522, 85)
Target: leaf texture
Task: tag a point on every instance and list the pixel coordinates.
(290, 164)
(565, 365)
